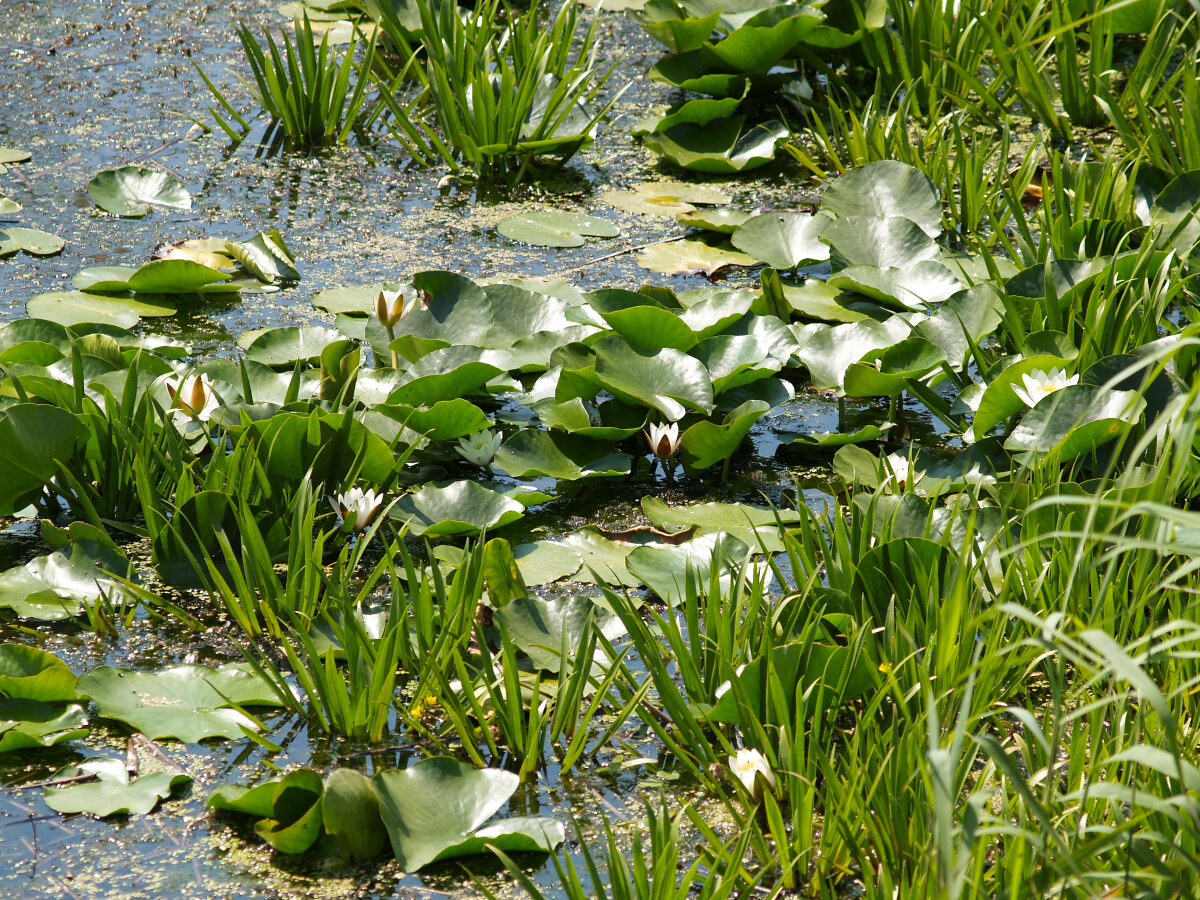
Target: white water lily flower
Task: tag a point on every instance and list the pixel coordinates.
(901, 472)
(480, 448)
(663, 439)
(193, 398)
(748, 765)
(357, 507)
(392, 306)
(1039, 384)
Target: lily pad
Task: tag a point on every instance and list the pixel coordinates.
(691, 257)
(722, 147)
(58, 584)
(755, 526)
(111, 793)
(131, 190)
(459, 508)
(869, 241)
(190, 703)
(706, 443)
(32, 241)
(30, 724)
(671, 571)
(539, 626)
(289, 345)
(916, 287)
(783, 240)
(176, 276)
(32, 437)
(435, 809)
(664, 198)
(1076, 420)
(27, 673)
(8, 207)
(265, 256)
(531, 452)
(721, 221)
(885, 189)
(78, 307)
(551, 228)
(350, 812)
(668, 380)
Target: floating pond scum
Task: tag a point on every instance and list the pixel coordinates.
(656, 449)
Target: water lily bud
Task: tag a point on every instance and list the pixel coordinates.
(663, 439)
(392, 306)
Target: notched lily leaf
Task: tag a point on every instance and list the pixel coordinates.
(130, 191)
(551, 228)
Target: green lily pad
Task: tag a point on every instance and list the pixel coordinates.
(641, 320)
(671, 570)
(538, 627)
(32, 437)
(291, 344)
(176, 276)
(671, 25)
(691, 257)
(190, 703)
(551, 228)
(722, 147)
(32, 241)
(8, 207)
(435, 809)
(30, 724)
(265, 256)
(446, 420)
(103, 279)
(459, 508)
(354, 299)
(59, 584)
(916, 287)
(664, 198)
(669, 381)
(831, 439)
(1076, 420)
(754, 48)
(706, 443)
(831, 350)
(544, 562)
(870, 241)
(885, 189)
(783, 240)
(530, 453)
(111, 793)
(611, 420)
(27, 673)
(734, 360)
(350, 812)
(131, 190)
(755, 526)
(447, 374)
(72, 308)
(721, 221)
(10, 155)
(601, 558)
(999, 401)
(295, 821)
(699, 111)
(695, 70)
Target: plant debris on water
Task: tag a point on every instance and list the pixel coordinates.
(656, 449)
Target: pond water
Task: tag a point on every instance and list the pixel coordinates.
(102, 84)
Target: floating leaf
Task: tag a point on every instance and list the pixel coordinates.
(130, 191)
(755, 526)
(706, 443)
(459, 508)
(111, 793)
(289, 345)
(691, 257)
(433, 810)
(32, 241)
(27, 673)
(869, 241)
(915, 287)
(664, 198)
(723, 146)
(885, 189)
(32, 437)
(783, 240)
(295, 821)
(668, 380)
(551, 228)
(1076, 420)
(722, 221)
(190, 703)
(350, 812)
(7, 206)
(671, 571)
(72, 308)
(538, 627)
(530, 453)
(30, 724)
(266, 257)
(176, 276)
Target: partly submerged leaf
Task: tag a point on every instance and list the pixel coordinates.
(722, 146)
(111, 792)
(130, 190)
(32, 241)
(552, 228)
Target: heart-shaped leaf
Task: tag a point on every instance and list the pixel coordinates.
(130, 191)
(720, 147)
(27, 673)
(885, 189)
(552, 228)
(459, 508)
(32, 241)
(111, 793)
(783, 240)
